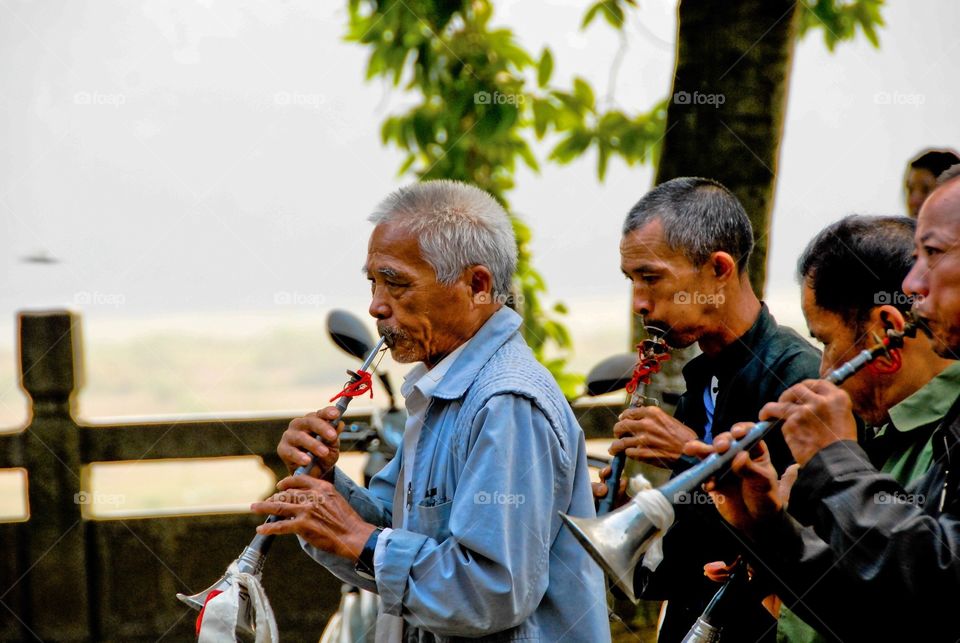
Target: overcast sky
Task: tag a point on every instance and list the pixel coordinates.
(181, 157)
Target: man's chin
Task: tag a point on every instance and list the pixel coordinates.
(944, 341)
(400, 355)
(677, 341)
(945, 350)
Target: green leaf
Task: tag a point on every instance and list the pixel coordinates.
(423, 129)
(570, 147)
(527, 155)
(614, 14)
(406, 164)
(583, 92)
(602, 157)
(442, 54)
(591, 14)
(545, 68)
(541, 117)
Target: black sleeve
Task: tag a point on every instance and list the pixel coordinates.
(791, 369)
(874, 565)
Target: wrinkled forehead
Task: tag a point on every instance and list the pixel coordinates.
(939, 218)
(394, 250)
(647, 246)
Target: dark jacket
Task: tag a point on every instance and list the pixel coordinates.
(877, 561)
(752, 371)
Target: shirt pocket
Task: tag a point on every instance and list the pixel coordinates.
(433, 520)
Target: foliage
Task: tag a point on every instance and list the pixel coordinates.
(482, 100)
(839, 20)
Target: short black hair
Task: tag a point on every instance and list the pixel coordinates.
(859, 263)
(936, 161)
(699, 217)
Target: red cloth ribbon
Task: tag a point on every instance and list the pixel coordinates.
(357, 387)
(887, 366)
(212, 594)
(644, 369)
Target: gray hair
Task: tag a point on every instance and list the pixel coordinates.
(699, 217)
(458, 226)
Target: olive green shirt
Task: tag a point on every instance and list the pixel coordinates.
(901, 448)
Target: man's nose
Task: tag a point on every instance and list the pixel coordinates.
(915, 283)
(379, 307)
(642, 304)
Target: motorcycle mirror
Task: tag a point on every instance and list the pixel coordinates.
(612, 374)
(348, 333)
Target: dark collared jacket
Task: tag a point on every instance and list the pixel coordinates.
(876, 561)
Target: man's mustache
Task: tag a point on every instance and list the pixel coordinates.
(391, 334)
(657, 329)
(922, 323)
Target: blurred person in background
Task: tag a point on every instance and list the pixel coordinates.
(922, 173)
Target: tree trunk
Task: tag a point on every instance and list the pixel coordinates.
(725, 118)
(726, 114)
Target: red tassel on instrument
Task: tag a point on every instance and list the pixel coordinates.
(356, 388)
(214, 593)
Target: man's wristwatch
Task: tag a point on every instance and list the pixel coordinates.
(364, 566)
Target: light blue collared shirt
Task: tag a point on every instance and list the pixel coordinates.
(484, 554)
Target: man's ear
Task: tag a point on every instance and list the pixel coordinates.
(887, 316)
(481, 284)
(723, 266)
(881, 319)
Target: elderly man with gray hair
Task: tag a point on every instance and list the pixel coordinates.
(460, 534)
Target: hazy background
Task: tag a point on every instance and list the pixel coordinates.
(201, 172)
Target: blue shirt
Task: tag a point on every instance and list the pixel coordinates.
(709, 404)
(484, 553)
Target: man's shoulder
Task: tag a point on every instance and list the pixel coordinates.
(513, 372)
(513, 369)
(784, 349)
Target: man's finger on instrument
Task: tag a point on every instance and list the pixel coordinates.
(758, 451)
(633, 413)
(623, 428)
(774, 410)
(721, 443)
(599, 490)
(303, 482)
(744, 467)
(279, 528)
(717, 571)
(616, 447)
(697, 449)
(642, 454)
(288, 452)
(303, 433)
(740, 429)
(329, 413)
(321, 429)
(307, 445)
(605, 473)
(792, 394)
(275, 507)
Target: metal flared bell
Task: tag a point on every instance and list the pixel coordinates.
(617, 541)
(250, 562)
